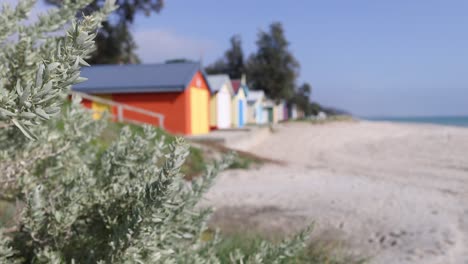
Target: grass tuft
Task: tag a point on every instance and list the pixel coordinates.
(249, 244)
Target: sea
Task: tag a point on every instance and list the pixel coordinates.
(461, 121)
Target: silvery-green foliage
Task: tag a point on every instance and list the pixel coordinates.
(122, 203)
(6, 251)
(68, 140)
(119, 204)
(38, 69)
(80, 199)
(11, 17)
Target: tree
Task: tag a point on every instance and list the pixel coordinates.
(316, 108)
(114, 41)
(305, 89)
(302, 98)
(273, 68)
(114, 45)
(178, 60)
(233, 61)
(82, 199)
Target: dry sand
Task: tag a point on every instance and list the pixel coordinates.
(394, 192)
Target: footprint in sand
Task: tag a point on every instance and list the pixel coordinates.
(391, 239)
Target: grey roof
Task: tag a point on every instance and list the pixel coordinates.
(218, 80)
(255, 95)
(137, 78)
(269, 103)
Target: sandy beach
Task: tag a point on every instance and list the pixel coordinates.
(396, 193)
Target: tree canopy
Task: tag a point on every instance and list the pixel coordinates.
(114, 41)
(232, 63)
(178, 60)
(273, 68)
(302, 98)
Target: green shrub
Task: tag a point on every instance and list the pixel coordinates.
(241, 162)
(84, 200)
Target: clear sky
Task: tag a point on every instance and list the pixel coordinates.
(373, 58)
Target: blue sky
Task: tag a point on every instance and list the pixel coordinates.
(373, 58)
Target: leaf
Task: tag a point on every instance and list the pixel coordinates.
(39, 74)
(52, 66)
(52, 110)
(41, 113)
(6, 112)
(19, 89)
(23, 129)
(28, 115)
(25, 95)
(46, 88)
(80, 80)
(83, 62)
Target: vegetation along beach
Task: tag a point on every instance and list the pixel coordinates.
(233, 132)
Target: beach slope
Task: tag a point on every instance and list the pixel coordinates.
(396, 193)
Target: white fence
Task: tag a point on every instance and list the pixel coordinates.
(121, 107)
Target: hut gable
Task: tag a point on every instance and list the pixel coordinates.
(220, 81)
(255, 97)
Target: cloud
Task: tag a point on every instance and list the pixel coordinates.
(157, 45)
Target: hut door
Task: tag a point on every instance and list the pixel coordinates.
(199, 106)
(224, 110)
(241, 113)
(258, 114)
(270, 115)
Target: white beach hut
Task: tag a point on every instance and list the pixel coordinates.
(220, 101)
(255, 111)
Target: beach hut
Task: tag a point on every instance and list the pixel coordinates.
(280, 108)
(285, 111)
(292, 111)
(269, 113)
(179, 91)
(239, 102)
(300, 114)
(255, 100)
(220, 102)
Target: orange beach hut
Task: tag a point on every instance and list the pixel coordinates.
(179, 91)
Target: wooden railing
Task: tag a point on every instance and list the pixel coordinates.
(121, 107)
